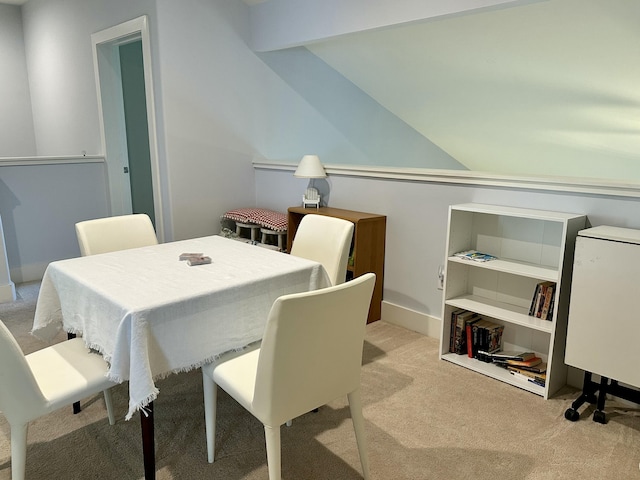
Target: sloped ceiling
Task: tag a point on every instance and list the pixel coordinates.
(545, 88)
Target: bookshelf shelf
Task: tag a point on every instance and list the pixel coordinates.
(501, 311)
(493, 371)
(531, 246)
(516, 268)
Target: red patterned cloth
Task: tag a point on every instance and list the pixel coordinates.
(260, 216)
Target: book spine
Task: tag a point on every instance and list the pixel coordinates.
(522, 377)
(461, 336)
(543, 293)
(536, 292)
(452, 339)
(547, 302)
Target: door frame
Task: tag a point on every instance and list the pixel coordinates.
(106, 64)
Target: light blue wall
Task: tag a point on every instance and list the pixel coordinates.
(417, 221)
(40, 205)
(375, 135)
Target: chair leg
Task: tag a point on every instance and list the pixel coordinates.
(210, 401)
(109, 404)
(272, 437)
(18, 451)
(355, 405)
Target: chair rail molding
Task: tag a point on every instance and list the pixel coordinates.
(46, 160)
(582, 185)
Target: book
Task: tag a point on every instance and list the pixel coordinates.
(540, 295)
(475, 256)
(535, 369)
(512, 355)
(478, 336)
(452, 337)
(469, 329)
(538, 381)
(525, 363)
(460, 344)
(493, 338)
(536, 294)
(548, 295)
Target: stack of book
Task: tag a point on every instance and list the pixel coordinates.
(526, 366)
(543, 300)
(460, 319)
(471, 334)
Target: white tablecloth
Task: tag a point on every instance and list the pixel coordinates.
(150, 314)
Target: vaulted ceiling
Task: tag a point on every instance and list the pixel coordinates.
(543, 88)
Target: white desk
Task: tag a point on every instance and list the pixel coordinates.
(150, 314)
(603, 328)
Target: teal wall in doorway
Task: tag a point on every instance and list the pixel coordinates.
(135, 111)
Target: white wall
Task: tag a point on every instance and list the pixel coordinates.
(16, 122)
(60, 64)
(224, 106)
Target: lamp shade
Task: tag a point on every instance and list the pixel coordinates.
(310, 167)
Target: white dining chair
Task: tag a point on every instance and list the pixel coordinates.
(311, 354)
(41, 382)
(327, 240)
(110, 234)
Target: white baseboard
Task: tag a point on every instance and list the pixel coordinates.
(28, 273)
(7, 292)
(418, 322)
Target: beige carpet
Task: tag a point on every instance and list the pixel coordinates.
(425, 419)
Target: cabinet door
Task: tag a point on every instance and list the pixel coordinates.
(604, 325)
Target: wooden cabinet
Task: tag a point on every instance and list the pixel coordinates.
(532, 246)
(367, 251)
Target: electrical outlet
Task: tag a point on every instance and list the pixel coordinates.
(440, 277)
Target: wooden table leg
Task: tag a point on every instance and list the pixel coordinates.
(148, 443)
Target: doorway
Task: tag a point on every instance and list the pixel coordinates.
(122, 64)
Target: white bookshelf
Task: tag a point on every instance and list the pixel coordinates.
(531, 246)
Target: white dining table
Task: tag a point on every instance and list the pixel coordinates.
(150, 314)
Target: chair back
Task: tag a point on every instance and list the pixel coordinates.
(20, 395)
(311, 351)
(326, 240)
(111, 234)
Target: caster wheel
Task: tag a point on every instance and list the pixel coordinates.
(572, 415)
(599, 416)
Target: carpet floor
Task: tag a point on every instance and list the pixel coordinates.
(426, 419)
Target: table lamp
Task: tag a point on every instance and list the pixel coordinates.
(310, 167)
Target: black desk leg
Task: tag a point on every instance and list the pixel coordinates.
(148, 443)
(599, 415)
(588, 395)
(76, 405)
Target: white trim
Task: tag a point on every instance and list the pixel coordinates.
(412, 320)
(137, 28)
(581, 185)
(26, 161)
